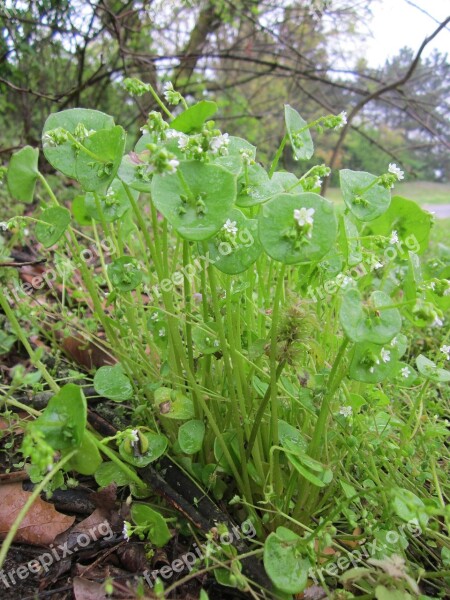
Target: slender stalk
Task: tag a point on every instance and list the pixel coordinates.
(29, 503)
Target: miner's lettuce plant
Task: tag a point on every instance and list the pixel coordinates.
(255, 324)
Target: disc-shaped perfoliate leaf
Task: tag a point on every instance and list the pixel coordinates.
(234, 254)
(284, 241)
(63, 421)
(108, 472)
(369, 322)
(157, 445)
(124, 273)
(206, 338)
(173, 405)
(22, 174)
(190, 436)
(130, 174)
(79, 211)
(157, 530)
(372, 363)
(192, 119)
(63, 157)
(286, 180)
(430, 370)
(299, 134)
(87, 460)
(256, 187)
(97, 166)
(196, 200)
(111, 206)
(112, 383)
(412, 223)
(53, 222)
(233, 161)
(365, 205)
(285, 561)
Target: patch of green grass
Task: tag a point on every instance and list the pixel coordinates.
(423, 192)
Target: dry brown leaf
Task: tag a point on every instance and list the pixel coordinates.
(85, 353)
(83, 589)
(42, 523)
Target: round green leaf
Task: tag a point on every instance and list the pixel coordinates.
(205, 338)
(285, 179)
(234, 254)
(53, 222)
(173, 405)
(195, 200)
(299, 134)
(109, 472)
(190, 436)
(284, 561)
(87, 460)
(109, 207)
(63, 422)
(429, 370)
(124, 273)
(365, 205)
(98, 165)
(157, 445)
(129, 174)
(233, 160)
(79, 211)
(412, 223)
(372, 363)
(112, 383)
(157, 530)
(192, 119)
(63, 157)
(22, 174)
(256, 187)
(277, 224)
(370, 322)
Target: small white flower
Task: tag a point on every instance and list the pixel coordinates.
(230, 227)
(437, 322)
(216, 343)
(304, 216)
(394, 237)
(372, 369)
(445, 349)
(133, 435)
(432, 285)
(405, 372)
(378, 265)
(346, 411)
(318, 182)
(162, 332)
(154, 316)
(173, 133)
(343, 117)
(168, 89)
(3, 226)
(127, 531)
(183, 142)
(396, 171)
(447, 292)
(172, 165)
(385, 355)
(394, 342)
(219, 143)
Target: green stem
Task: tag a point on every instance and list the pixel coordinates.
(28, 504)
(277, 156)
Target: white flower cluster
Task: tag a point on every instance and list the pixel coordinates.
(230, 227)
(445, 349)
(304, 216)
(346, 411)
(396, 171)
(219, 144)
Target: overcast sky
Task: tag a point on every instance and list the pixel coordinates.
(399, 23)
